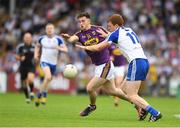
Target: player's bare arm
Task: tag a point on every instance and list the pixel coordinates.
(62, 48)
(71, 39)
(37, 52)
(94, 48)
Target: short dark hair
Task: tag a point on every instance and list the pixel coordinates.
(116, 19)
(83, 14)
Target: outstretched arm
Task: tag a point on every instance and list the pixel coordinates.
(113, 37)
(95, 48)
(71, 39)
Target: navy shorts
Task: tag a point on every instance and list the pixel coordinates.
(51, 66)
(137, 70)
(25, 70)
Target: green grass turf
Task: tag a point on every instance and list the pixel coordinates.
(63, 111)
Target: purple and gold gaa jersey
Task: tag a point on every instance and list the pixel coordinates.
(92, 37)
(118, 58)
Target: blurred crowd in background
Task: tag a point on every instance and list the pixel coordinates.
(156, 22)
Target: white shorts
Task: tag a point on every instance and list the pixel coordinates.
(119, 70)
(105, 71)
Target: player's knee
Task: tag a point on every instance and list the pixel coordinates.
(30, 79)
(89, 89)
(48, 78)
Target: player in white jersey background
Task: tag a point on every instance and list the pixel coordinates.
(50, 45)
(128, 43)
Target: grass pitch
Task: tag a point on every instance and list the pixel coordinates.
(63, 111)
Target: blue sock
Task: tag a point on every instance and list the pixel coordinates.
(39, 94)
(44, 93)
(152, 110)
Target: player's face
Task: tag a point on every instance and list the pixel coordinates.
(27, 38)
(84, 23)
(111, 27)
(50, 30)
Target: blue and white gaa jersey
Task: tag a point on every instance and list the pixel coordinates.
(128, 43)
(49, 53)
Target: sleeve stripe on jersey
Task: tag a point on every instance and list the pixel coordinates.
(113, 37)
(18, 48)
(39, 41)
(59, 41)
(104, 30)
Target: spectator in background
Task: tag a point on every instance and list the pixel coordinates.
(163, 84)
(152, 80)
(174, 84)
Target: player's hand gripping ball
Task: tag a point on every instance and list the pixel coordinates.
(70, 71)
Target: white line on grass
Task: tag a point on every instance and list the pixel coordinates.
(177, 115)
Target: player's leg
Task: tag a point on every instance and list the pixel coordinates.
(42, 94)
(23, 73)
(25, 90)
(93, 84)
(30, 81)
(137, 72)
(103, 72)
(118, 82)
(45, 84)
(47, 78)
(111, 89)
(119, 72)
(131, 89)
(141, 112)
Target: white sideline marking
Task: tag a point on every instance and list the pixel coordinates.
(177, 115)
